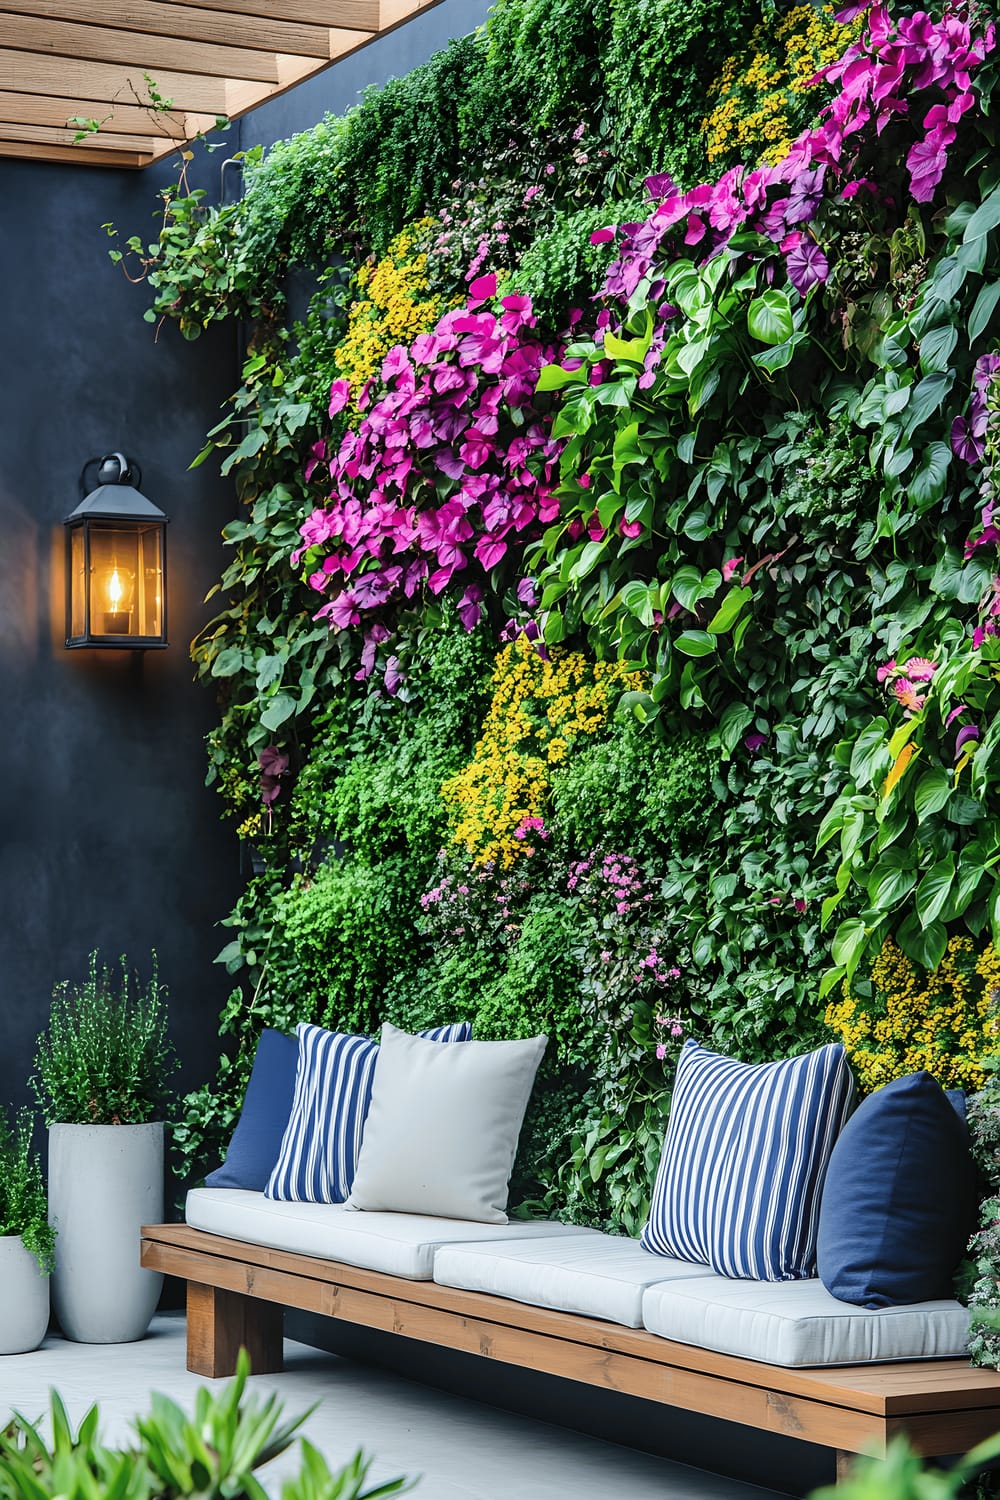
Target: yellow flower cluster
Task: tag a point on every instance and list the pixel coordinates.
(539, 709)
(758, 91)
(389, 308)
(944, 1022)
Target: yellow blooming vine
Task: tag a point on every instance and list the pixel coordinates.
(390, 307)
(539, 709)
(761, 93)
(944, 1022)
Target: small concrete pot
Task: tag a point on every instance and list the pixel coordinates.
(24, 1298)
(105, 1181)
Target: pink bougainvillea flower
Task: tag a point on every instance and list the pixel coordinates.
(731, 567)
(887, 670)
(919, 669)
(340, 394)
(481, 289)
(630, 529)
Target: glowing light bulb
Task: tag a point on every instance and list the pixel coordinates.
(115, 590)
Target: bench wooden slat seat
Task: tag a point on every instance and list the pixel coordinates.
(237, 1291)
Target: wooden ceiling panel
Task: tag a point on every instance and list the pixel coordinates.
(112, 60)
(183, 22)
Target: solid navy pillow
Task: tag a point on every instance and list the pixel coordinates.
(899, 1199)
(256, 1140)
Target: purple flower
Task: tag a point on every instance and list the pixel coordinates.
(965, 734)
(754, 741)
(805, 262)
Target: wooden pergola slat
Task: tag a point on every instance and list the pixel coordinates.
(107, 60)
(183, 23)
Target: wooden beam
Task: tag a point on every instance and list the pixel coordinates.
(394, 12)
(49, 135)
(44, 109)
(30, 73)
(66, 39)
(354, 15)
(71, 155)
(185, 22)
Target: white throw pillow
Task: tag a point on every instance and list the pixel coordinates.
(443, 1124)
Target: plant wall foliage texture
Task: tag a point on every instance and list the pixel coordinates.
(610, 639)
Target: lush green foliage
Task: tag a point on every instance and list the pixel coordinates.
(660, 66)
(768, 423)
(210, 1455)
(23, 1201)
(105, 1056)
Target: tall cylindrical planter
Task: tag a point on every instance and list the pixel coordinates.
(24, 1298)
(105, 1181)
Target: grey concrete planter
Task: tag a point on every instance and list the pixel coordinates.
(24, 1298)
(105, 1181)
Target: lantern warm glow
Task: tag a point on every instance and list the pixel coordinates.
(116, 564)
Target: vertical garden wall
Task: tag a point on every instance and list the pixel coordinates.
(608, 639)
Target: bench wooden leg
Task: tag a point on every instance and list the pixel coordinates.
(220, 1323)
(845, 1464)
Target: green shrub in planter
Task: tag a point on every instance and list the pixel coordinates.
(23, 1209)
(106, 1055)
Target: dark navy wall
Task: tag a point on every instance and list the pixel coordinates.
(108, 838)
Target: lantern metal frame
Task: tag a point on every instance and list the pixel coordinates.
(115, 503)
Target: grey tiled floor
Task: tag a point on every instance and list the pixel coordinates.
(460, 1449)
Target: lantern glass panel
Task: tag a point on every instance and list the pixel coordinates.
(77, 583)
(126, 580)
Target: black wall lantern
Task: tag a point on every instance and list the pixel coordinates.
(116, 562)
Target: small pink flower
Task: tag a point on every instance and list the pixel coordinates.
(605, 956)
(730, 567)
(907, 694)
(630, 528)
(661, 1050)
(340, 394)
(919, 669)
(886, 671)
(961, 709)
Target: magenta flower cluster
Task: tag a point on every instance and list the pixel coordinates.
(905, 681)
(881, 79)
(451, 465)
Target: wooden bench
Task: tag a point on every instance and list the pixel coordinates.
(236, 1294)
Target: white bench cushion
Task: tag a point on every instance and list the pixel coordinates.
(399, 1244)
(599, 1275)
(799, 1323)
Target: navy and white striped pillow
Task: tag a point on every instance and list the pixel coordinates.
(333, 1089)
(743, 1162)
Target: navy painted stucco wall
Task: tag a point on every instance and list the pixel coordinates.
(108, 837)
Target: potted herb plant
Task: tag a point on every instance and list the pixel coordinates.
(26, 1240)
(100, 1074)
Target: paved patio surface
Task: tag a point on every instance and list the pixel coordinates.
(460, 1449)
